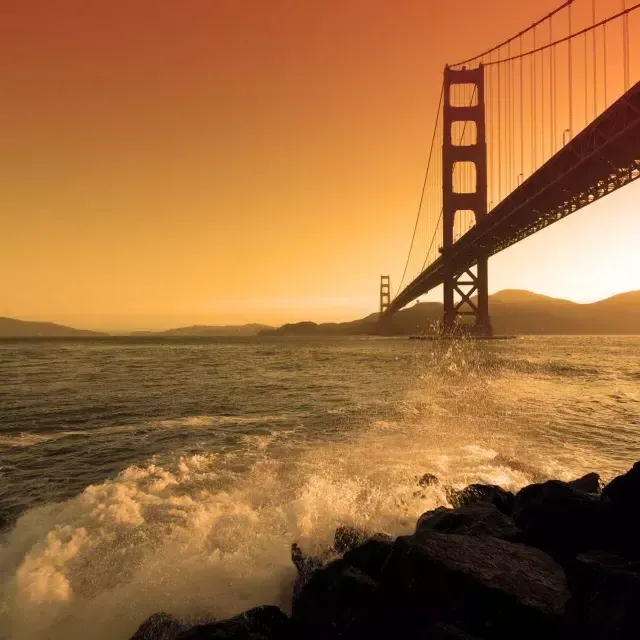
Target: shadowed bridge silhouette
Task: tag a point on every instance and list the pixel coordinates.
(533, 130)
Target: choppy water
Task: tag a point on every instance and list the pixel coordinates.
(174, 475)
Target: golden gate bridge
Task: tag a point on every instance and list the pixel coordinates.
(532, 130)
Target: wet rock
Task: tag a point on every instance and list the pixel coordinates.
(443, 631)
(339, 601)
(590, 483)
(370, 556)
(482, 519)
(160, 626)
(347, 538)
(624, 491)
(483, 585)
(260, 623)
(475, 493)
(428, 480)
(562, 520)
(606, 596)
(305, 564)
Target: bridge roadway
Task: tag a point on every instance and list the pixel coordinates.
(600, 159)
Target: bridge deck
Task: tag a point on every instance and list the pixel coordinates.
(600, 159)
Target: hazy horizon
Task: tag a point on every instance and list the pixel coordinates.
(123, 324)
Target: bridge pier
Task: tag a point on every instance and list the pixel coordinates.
(466, 294)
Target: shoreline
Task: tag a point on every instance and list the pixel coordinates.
(555, 560)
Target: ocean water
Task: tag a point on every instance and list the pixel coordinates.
(146, 475)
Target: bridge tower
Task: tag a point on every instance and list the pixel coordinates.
(385, 293)
(459, 288)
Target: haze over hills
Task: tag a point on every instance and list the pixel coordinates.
(512, 311)
(209, 330)
(12, 328)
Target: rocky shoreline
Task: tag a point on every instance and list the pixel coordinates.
(557, 560)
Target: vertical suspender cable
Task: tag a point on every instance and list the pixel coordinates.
(521, 111)
(534, 107)
(570, 79)
(595, 66)
(625, 45)
(499, 198)
(586, 81)
(604, 36)
(552, 84)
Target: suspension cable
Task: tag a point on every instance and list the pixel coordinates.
(517, 35)
(568, 38)
(424, 185)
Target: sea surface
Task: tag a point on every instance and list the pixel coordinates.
(145, 475)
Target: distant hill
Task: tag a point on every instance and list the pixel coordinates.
(209, 330)
(12, 328)
(512, 311)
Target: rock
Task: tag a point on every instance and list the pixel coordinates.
(606, 590)
(475, 493)
(339, 601)
(428, 480)
(482, 519)
(443, 631)
(590, 483)
(347, 538)
(160, 626)
(260, 623)
(483, 585)
(624, 491)
(303, 563)
(370, 556)
(562, 520)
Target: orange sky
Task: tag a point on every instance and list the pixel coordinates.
(223, 161)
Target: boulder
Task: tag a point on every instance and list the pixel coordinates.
(260, 623)
(428, 480)
(482, 519)
(590, 483)
(475, 493)
(441, 631)
(370, 556)
(338, 601)
(606, 596)
(347, 538)
(562, 520)
(624, 491)
(482, 585)
(160, 626)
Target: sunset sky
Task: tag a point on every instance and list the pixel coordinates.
(168, 162)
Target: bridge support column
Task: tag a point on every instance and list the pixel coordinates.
(463, 153)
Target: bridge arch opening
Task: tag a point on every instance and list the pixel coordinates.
(464, 133)
(464, 177)
(463, 220)
(463, 94)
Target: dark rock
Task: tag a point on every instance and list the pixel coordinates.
(561, 520)
(606, 596)
(370, 556)
(475, 493)
(624, 491)
(482, 585)
(339, 601)
(260, 623)
(160, 626)
(305, 564)
(428, 480)
(482, 519)
(443, 631)
(590, 483)
(347, 538)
